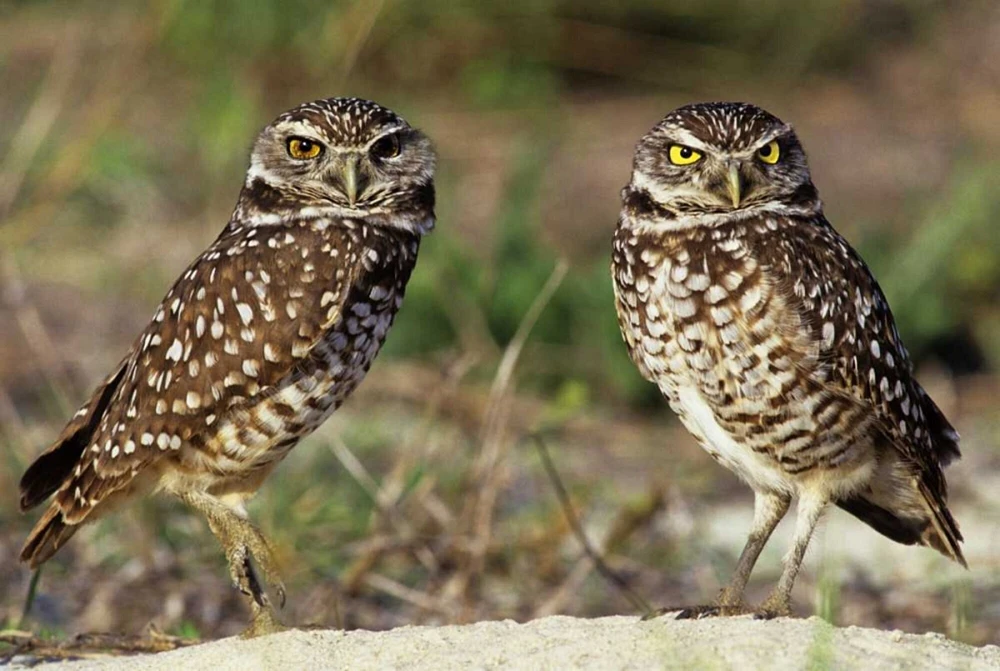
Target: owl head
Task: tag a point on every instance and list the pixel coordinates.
(721, 159)
(343, 157)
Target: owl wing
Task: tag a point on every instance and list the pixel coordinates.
(862, 359)
(236, 322)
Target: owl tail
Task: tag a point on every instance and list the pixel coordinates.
(49, 534)
(942, 533)
(936, 528)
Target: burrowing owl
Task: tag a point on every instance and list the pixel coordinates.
(258, 341)
(772, 341)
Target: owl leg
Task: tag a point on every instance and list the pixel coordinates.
(241, 541)
(807, 514)
(768, 510)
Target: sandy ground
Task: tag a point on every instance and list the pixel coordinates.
(570, 643)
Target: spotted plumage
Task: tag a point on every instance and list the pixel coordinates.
(261, 338)
(771, 339)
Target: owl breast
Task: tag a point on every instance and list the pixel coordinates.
(258, 436)
(704, 320)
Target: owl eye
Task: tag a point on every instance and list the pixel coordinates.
(770, 152)
(303, 148)
(386, 147)
(681, 155)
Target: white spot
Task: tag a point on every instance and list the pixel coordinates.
(250, 367)
(270, 354)
(129, 446)
(876, 350)
(684, 308)
(199, 326)
(715, 293)
(217, 329)
(176, 350)
(246, 312)
(721, 315)
(697, 282)
(163, 441)
(750, 298)
(146, 439)
(193, 400)
(175, 442)
(829, 332)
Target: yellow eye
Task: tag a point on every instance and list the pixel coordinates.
(770, 152)
(302, 148)
(681, 155)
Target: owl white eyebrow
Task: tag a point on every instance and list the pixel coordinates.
(388, 131)
(771, 137)
(686, 139)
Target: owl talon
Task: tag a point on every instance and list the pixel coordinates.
(684, 612)
(279, 589)
(700, 612)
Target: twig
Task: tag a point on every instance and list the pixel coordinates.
(374, 9)
(497, 411)
(616, 580)
(404, 593)
(38, 121)
(383, 502)
(29, 598)
(88, 646)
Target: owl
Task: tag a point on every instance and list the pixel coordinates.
(258, 341)
(772, 341)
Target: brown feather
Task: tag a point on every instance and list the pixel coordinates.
(49, 534)
(51, 469)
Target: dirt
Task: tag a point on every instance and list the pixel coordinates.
(562, 642)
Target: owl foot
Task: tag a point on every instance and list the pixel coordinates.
(242, 541)
(249, 543)
(699, 612)
(776, 605)
(263, 622)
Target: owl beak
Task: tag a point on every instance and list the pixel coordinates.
(349, 178)
(733, 183)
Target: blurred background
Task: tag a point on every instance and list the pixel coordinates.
(124, 132)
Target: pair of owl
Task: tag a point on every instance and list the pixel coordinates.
(762, 327)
